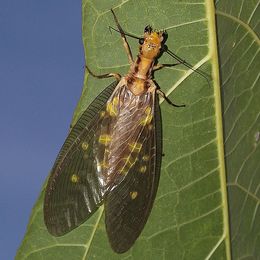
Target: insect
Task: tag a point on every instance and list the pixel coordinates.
(112, 155)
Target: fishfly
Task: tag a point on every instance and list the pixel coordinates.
(112, 155)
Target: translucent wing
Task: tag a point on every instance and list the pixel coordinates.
(128, 205)
(111, 154)
(75, 189)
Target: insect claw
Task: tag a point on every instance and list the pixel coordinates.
(162, 94)
(120, 29)
(112, 28)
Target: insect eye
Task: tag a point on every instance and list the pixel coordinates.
(148, 29)
(141, 41)
(164, 36)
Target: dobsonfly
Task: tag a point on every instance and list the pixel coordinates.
(112, 155)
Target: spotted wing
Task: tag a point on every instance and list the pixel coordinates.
(128, 206)
(75, 189)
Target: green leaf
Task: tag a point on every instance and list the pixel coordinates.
(238, 30)
(189, 219)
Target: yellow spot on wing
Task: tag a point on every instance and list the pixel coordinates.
(106, 153)
(102, 114)
(135, 147)
(115, 101)
(146, 158)
(84, 146)
(104, 164)
(129, 163)
(143, 169)
(74, 178)
(104, 139)
(112, 107)
(148, 111)
(133, 194)
(148, 118)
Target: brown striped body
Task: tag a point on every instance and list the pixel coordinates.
(140, 72)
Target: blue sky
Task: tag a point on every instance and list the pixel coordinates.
(41, 76)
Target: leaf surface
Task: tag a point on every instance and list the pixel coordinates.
(189, 219)
(238, 37)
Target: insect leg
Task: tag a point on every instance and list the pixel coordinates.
(160, 66)
(162, 94)
(126, 45)
(107, 75)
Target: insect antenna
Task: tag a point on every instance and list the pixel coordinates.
(125, 33)
(169, 52)
(176, 57)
